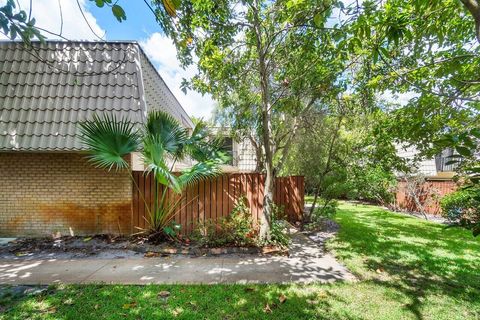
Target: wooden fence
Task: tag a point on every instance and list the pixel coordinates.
(429, 195)
(215, 198)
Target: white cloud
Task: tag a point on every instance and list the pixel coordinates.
(162, 52)
(399, 98)
(47, 15)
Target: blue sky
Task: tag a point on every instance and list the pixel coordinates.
(140, 26)
(140, 23)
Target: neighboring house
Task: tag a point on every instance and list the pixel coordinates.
(429, 180)
(242, 152)
(433, 168)
(45, 91)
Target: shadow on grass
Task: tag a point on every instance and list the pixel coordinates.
(185, 302)
(411, 256)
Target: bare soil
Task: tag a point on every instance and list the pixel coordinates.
(113, 247)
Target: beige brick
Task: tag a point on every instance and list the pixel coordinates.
(42, 193)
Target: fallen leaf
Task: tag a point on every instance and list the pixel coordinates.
(267, 309)
(52, 310)
(270, 249)
(312, 301)
(151, 254)
(68, 302)
(177, 311)
(130, 305)
(87, 239)
(21, 254)
(163, 295)
(282, 298)
(379, 270)
(96, 307)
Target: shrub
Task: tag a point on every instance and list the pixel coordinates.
(372, 184)
(278, 228)
(325, 209)
(462, 206)
(236, 229)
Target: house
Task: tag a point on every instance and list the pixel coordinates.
(46, 184)
(428, 182)
(46, 90)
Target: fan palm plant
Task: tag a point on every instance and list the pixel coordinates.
(162, 142)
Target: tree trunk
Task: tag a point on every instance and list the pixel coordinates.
(473, 7)
(315, 198)
(258, 154)
(265, 216)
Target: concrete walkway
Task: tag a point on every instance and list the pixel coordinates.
(307, 263)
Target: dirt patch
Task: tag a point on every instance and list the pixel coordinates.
(114, 247)
(103, 246)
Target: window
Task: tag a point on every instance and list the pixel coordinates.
(442, 159)
(227, 147)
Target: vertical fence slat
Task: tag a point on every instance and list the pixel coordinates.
(213, 199)
(190, 218)
(254, 205)
(201, 202)
(219, 199)
(231, 192)
(184, 211)
(141, 205)
(208, 199)
(225, 184)
(249, 191)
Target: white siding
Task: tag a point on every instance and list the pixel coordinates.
(426, 167)
(245, 158)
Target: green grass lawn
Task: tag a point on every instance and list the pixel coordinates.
(407, 269)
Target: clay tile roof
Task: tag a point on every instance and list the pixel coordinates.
(46, 90)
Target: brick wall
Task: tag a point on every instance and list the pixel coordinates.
(43, 193)
(429, 193)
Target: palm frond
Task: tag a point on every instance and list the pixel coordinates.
(166, 129)
(199, 172)
(202, 146)
(109, 140)
(154, 158)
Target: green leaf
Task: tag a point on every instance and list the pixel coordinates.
(165, 128)
(451, 162)
(475, 132)
(464, 151)
(384, 51)
(119, 13)
(317, 19)
(100, 3)
(109, 141)
(474, 169)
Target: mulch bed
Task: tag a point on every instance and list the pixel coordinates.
(116, 247)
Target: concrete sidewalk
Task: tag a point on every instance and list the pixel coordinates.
(307, 263)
